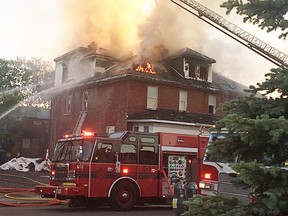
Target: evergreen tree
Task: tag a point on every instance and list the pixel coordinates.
(259, 125)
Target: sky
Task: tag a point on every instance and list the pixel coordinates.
(148, 28)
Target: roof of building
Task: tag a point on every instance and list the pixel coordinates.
(31, 112)
(187, 52)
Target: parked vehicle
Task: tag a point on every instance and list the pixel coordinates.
(124, 168)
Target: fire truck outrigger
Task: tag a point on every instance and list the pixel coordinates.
(124, 168)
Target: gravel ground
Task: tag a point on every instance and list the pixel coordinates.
(18, 179)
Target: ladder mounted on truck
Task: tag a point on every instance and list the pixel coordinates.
(265, 50)
(79, 123)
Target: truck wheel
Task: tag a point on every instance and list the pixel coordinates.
(124, 196)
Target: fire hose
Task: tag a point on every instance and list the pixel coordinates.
(26, 196)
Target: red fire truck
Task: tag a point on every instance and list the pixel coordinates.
(124, 168)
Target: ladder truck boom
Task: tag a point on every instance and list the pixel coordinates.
(265, 50)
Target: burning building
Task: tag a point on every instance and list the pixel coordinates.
(180, 93)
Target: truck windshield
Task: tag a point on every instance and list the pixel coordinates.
(67, 151)
(217, 138)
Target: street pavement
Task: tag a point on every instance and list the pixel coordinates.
(17, 188)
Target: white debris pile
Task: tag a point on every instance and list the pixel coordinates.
(26, 164)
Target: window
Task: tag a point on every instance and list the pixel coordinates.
(128, 153)
(211, 104)
(148, 154)
(148, 150)
(84, 101)
(110, 129)
(68, 104)
(152, 97)
(146, 129)
(136, 128)
(182, 100)
(104, 153)
(186, 68)
(64, 73)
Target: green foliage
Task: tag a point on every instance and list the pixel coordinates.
(18, 81)
(214, 206)
(270, 194)
(267, 14)
(258, 130)
(19, 78)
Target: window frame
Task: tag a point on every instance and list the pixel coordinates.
(212, 104)
(152, 97)
(183, 99)
(68, 104)
(84, 103)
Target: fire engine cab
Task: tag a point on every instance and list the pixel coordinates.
(124, 168)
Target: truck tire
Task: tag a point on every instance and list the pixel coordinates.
(124, 196)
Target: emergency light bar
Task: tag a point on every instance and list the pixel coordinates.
(87, 133)
(84, 133)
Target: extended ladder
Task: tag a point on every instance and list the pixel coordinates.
(79, 123)
(240, 35)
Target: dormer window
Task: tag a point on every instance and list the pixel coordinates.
(194, 70)
(189, 64)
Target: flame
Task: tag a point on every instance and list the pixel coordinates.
(146, 68)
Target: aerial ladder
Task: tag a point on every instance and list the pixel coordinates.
(265, 50)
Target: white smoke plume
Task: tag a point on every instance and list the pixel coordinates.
(151, 29)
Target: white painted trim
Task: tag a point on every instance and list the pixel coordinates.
(167, 122)
(179, 149)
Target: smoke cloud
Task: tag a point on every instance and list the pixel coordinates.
(146, 28)
(111, 24)
(150, 29)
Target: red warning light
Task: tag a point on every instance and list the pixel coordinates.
(88, 133)
(207, 175)
(125, 171)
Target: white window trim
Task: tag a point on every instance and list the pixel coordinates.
(183, 95)
(152, 97)
(212, 102)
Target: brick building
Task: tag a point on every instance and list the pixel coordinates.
(179, 94)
